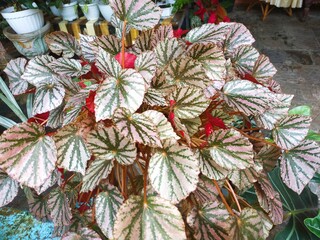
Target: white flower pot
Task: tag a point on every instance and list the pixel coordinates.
(90, 11)
(25, 21)
(55, 11)
(166, 10)
(69, 12)
(170, 1)
(106, 11)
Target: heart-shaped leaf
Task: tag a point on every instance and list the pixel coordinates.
(145, 64)
(291, 130)
(244, 59)
(167, 50)
(299, 164)
(69, 67)
(89, 47)
(8, 189)
(300, 110)
(27, 155)
(38, 206)
(14, 71)
(155, 97)
(230, 150)
(72, 150)
(189, 102)
(155, 219)
(108, 64)
(162, 33)
(269, 156)
(108, 143)
(211, 221)
(173, 171)
(143, 42)
(137, 126)
(109, 43)
(313, 224)
(247, 97)
(192, 125)
(263, 70)
(107, 205)
(138, 14)
(127, 90)
(53, 179)
(206, 191)
(60, 210)
(63, 43)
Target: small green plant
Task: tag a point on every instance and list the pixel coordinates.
(58, 3)
(20, 5)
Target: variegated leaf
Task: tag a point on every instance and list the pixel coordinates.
(186, 71)
(38, 71)
(211, 221)
(230, 150)
(290, 130)
(247, 97)
(106, 206)
(269, 199)
(71, 114)
(49, 95)
(206, 191)
(108, 143)
(155, 219)
(271, 116)
(63, 43)
(168, 50)
(109, 43)
(211, 58)
(208, 33)
(155, 97)
(189, 102)
(14, 71)
(8, 189)
(127, 91)
(89, 47)
(145, 64)
(58, 205)
(192, 124)
(72, 151)
(38, 206)
(79, 98)
(248, 226)
(209, 167)
(237, 36)
(52, 179)
(173, 171)
(55, 119)
(143, 42)
(182, 129)
(164, 128)
(137, 126)
(27, 155)
(83, 234)
(263, 70)
(244, 59)
(69, 67)
(269, 156)
(140, 15)
(119, 25)
(108, 64)
(162, 33)
(219, 113)
(299, 164)
(275, 86)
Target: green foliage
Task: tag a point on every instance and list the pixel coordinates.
(301, 110)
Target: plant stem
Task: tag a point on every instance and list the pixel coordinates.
(124, 182)
(123, 40)
(223, 198)
(145, 180)
(233, 195)
(257, 139)
(66, 181)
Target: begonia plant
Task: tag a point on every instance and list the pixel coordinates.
(157, 140)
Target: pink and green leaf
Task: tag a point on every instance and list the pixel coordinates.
(8, 189)
(60, 210)
(14, 71)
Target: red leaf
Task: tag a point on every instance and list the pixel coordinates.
(39, 118)
(212, 18)
(200, 13)
(179, 32)
(129, 59)
(83, 63)
(90, 101)
(83, 208)
(82, 85)
(226, 19)
(94, 69)
(216, 121)
(250, 78)
(214, 2)
(181, 133)
(208, 129)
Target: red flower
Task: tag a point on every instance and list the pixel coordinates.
(171, 116)
(212, 18)
(200, 13)
(39, 118)
(179, 32)
(215, 2)
(94, 69)
(129, 59)
(82, 84)
(215, 121)
(208, 129)
(90, 101)
(226, 19)
(181, 133)
(172, 102)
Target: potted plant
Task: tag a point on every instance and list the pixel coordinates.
(24, 16)
(105, 9)
(90, 9)
(158, 140)
(68, 9)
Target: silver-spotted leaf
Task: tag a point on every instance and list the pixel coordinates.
(155, 219)
(109, 43)
(209, 167)
(174, 171)
(190, 102)
(27, 155)
(14, 71)
(231, 150)
(8, 189)
(290, 130)
(73, 153)
(210, 221)
(244, 59)
(107, 205)
(137, 126)
(137, 14)
(145, 64)
(208, 33)
(89, 48)
(299, 164)
(58, 205)
(108, 143)
(247, 97)
(63, 43)
(127, 91)
(69, 67)
(168, 50)
(108, 64)
(263, 70)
